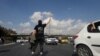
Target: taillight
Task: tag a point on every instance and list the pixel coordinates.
(74, 37)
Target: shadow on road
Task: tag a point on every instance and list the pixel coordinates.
(74, 54)
(5, 50)
(44, 54)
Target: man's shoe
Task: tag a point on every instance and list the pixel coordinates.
(41, 53)
(33, 52)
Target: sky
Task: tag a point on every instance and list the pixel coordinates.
(67, 15)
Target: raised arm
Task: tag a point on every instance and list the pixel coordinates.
(48, 21)
(93, 26)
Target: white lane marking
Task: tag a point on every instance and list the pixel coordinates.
(7, 44)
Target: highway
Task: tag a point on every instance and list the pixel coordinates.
(23, 50)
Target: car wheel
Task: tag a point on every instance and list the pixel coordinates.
(56, 43)
(84, 51)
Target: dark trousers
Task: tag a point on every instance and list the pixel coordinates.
(35, 45)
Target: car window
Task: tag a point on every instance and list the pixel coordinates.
(94, 27)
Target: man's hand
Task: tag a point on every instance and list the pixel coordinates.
(48, 21)
(34, 32)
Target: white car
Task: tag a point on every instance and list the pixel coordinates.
(51, 40)
(87, 41)
(21, 40)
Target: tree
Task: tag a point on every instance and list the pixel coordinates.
(6, 34)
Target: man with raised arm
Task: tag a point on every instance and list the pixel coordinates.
(39, 36)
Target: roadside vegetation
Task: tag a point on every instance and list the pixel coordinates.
(5, 35)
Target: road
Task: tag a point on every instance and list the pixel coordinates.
(49, 50)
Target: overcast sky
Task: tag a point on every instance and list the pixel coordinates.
(68, 16)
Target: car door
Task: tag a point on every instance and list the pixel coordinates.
(94, 36)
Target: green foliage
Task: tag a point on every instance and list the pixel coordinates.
(6, 33)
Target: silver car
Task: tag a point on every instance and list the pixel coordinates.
(51, 41)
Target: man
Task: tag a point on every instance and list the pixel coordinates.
(39, 35)
(31, 40)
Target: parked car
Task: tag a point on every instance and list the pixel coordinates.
(22, 40)
(71, 40)
(63, 41)
(51, 41)
(87, 41)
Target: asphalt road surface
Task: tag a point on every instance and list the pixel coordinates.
(49, 50)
